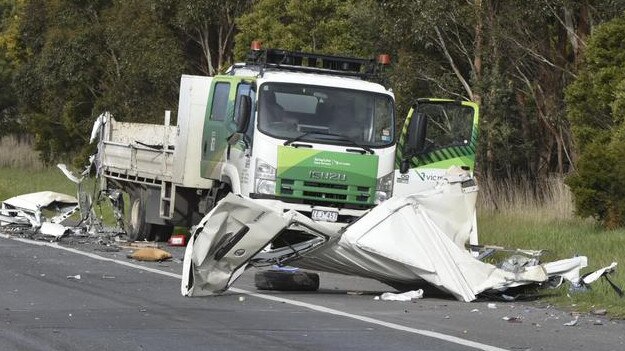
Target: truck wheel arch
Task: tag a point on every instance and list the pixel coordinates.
(230, 176)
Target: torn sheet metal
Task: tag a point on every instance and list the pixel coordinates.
(404, 240)
(36, 201)
(26, 210)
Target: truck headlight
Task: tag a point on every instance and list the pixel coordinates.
(265, 178)
(384, 188)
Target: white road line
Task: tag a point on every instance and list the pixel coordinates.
(322, 309)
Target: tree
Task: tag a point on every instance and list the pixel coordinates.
(321, 26)
(209, 26)
(596, 106)
(9, 9)
(84, 57)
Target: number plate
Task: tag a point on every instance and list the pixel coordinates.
(326, 216)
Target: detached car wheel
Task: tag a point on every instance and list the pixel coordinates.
(286, 280)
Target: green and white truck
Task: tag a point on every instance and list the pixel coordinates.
(291, 130)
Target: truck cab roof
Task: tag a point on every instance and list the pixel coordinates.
(329, 79)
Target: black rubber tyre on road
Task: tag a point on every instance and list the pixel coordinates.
(286, 280)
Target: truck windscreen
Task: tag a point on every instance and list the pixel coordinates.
(287, 111)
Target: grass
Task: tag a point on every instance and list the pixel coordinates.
(522, 219)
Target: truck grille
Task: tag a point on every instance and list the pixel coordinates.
(327, 194)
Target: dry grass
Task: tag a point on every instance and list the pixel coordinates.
(545, 200)
(17, 152)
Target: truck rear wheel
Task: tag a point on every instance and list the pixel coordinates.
(138, 229)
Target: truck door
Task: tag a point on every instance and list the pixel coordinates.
(437, 134)
(218, 125)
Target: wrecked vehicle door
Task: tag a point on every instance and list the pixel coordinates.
(437, 134)
(233, 234)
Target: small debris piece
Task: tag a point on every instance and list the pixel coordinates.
(406, 296)
(492, 306)
(177, 240)
(74, 277)
(447, 317)
(150, 254)
(597, 322)
(600, 312)
(571, 323)
(354, 293)
(508, 297)
(108, 277)
(140, 244)
(475, 310)
(512, 319)
(241, 298)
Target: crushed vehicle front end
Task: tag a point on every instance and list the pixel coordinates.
(404, 240)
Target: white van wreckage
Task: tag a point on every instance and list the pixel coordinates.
(404, 240)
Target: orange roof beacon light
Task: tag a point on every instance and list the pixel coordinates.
(384, 59)
(256, 45)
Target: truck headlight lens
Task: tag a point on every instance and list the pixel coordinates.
(384, 188)
(265, 178)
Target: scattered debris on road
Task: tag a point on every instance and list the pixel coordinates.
(572, 323)
(516, 319)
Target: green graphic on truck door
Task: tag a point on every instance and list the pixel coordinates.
(218, 125)
(451, 132)
(326, 177)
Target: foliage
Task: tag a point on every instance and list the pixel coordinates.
(596, 102)
(80, 58)
(324, 26)
(8, 101)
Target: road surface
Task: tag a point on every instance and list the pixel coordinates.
(121, 304)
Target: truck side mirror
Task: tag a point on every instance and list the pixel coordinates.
(243, 113)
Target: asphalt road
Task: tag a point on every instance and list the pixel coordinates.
(120, 304)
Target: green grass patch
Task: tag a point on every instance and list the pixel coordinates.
(563, 238)
(18, 181)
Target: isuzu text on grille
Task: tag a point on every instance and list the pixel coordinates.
(320, 175)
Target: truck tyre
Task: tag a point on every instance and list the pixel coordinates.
(138, 228)
(286, 280)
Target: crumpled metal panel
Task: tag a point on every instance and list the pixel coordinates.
(404, 240)
(223, 243)
(35, 201)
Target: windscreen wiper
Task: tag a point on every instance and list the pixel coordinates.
(337, 136)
